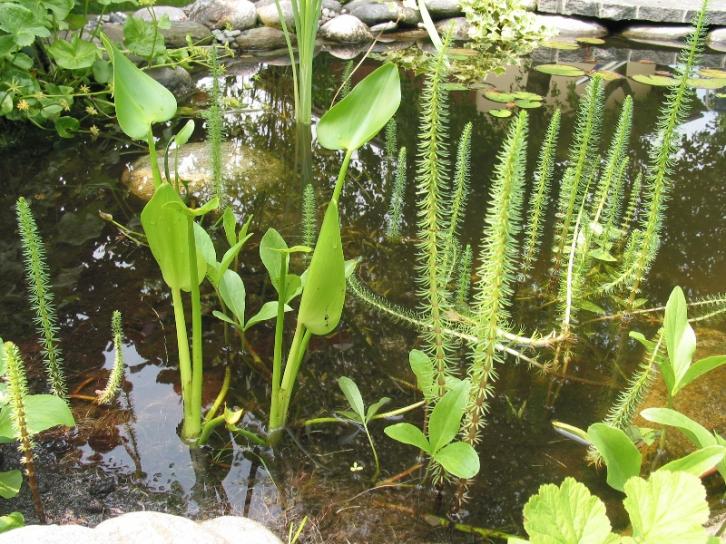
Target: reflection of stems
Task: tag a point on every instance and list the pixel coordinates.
(185, 365)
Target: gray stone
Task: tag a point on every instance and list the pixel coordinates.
(174, 14)
(261, 39)
(236, 14)
(346, 29)
(442, 9)
(147, 527)
(717, 35)
(242, 166)
(372, 13)
(268, 15)
(570, 26)
(176, 79)
(661, 11)
(176, 35)
(657, 33)
(458, 26)
(388, 26)
(529, 5)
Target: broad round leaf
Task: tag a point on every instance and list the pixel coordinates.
(459, 459)
(654, 80)
(73, 55)
(408, 434)
(590, 41)
(567, 514)
(621, 456)
(323, 297)
(500, 113)
(140, 100)
(560, 70)
(499, 96)
(562, 45)
(363, 112)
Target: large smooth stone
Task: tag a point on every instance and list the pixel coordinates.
(176, 35)
(233, 14)
(175, 14)
(441, 9)
(373, 13)
(569, 26)
(176, 79)
(262, 38)
(346, 29)
(242, 167)
(654, 32)
(717, 39)
(147, 527)
(267, 12)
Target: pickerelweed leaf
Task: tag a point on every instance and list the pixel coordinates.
(140, 100)
(459, 459)
(446, 416)
(10, 483)
(363, 112)
(184, 133)
(270, 245)
(621, 456)
(232, 291)
(323, 298)
(669, 508)
(423, 369)
(697, 462)
(566, 514)
(41, 412)
(680, 341)
(701, 367)
(560, 70)
(408, 434)
(165, 226)
(353, 396)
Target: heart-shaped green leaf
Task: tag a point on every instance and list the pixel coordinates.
(621, 456)
(363, 112)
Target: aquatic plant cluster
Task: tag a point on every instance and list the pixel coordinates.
(608, 231)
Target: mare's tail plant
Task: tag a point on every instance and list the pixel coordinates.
(657, 178)
(113, 384)
(41, 297)
(497, 260)
(215, 125)
(391, 142)
(17, 393)
(395, 207)
(540, 197)
(310, 219)
(463, 283)
(631, 210)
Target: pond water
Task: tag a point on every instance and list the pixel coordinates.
(95, 270)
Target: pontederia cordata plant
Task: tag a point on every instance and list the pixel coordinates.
(41, 296)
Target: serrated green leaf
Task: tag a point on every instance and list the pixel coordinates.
(76, 54)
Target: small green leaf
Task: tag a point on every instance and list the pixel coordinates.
(268, 311)
(528, 104)
(701, 367)
(697, 462)
(140, 101)
(232, 290)
(654, 80)
(353, 396)
(680, 341)
(446, 416)
(499, 96)
(229, 222)
(602, 255)
(621, 456)
(184, 134)
(374, 408)
(323, 298)
(363, 112)
(42, 412)
(423, 369)
(592, 307)
(270, 245)
(223, 317)
(459, 459)
(562, 45)
(408, 434)
(503, 114)
(669, 508)
(66, 126)
(102, 71)
(560, 70)
(567, 514)
(73, 55)
(526, 95)
(10, 483)
(12, 520)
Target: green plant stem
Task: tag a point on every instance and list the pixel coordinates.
(276, 401)
(197, 358)
(207, 429)
(221, 395)
(375, 453)
(185, 364)
(382, 415)
(341, 176)
(155, 172)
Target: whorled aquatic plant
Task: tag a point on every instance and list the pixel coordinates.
(310, 219)
(17, 391)
(215, 124)
(496, 272)
(395, 207)
(432, 169)
(41, 296)
(537, 208)
(113, 385)
(391, 142)
(581, 161)
(463, 283)
(657, 179)
(631, 210)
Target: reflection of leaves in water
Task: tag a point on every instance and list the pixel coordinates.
(80, 227)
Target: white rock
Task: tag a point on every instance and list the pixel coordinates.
(236, 14)
(175, 14)
(717, 36)
(569, 26)
(346, 29)
(653, 33)
(147, 528)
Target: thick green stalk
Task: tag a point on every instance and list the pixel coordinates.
(190, 429)
(153, 160)
(276, 404)
(341, 176)
(117, 372)
(40, 296)
(540, 198)
(496, 272)
(197, 356)
(17, 391)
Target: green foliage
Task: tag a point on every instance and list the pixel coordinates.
(463, 284)
(310, 219)
(502, 25)
(540, 197)
(395, 208)
(456, 458)
(41, 296)
(631, 210)
(215, 124)
(668, 508)
(496, 270)
(621, 456)
(11, 521)
(391, 141)
(113, 384)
